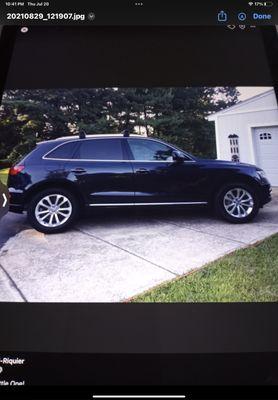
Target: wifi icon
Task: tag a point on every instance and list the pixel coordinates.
(250, 3)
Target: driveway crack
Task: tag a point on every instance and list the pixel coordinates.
(203, 232)
(127, 251)
(13, 284)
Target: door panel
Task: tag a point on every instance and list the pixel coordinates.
(168, 182)
(162, 180)
(103, 181)
(106, 178)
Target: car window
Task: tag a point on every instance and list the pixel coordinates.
(100, 149)
(65, 151)
(150, 150)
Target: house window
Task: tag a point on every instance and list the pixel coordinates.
(234, 147)
(265, 136)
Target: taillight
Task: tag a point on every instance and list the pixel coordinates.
(16, 170)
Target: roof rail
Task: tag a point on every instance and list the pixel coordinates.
(126, 132)
(82, 134)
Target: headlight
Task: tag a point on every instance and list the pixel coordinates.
(261, 174)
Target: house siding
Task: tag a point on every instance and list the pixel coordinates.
(261, 110)
(241, 124)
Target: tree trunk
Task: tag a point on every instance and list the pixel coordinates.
(146, 122)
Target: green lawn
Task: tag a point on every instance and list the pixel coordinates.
(249, 274)
(4, 175)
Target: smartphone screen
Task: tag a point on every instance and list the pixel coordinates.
(139, 216)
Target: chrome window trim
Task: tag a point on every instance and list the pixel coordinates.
(149, 204)
(134, 161)
(44, 157)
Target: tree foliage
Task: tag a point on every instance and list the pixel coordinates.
(177, 115)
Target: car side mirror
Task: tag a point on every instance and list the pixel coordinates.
(178, 157)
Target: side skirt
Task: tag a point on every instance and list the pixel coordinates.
(149, 204)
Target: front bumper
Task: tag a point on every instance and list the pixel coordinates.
(265, 196)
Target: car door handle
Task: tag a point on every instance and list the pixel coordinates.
(78, 171)
(142, 171)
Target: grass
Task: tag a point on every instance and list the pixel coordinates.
(247, 275)
(4, 175)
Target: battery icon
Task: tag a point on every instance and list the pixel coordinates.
(268, 4)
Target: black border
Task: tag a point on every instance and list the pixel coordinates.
(7, 40)
(270, 39)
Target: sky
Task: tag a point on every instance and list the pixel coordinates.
(249, 91)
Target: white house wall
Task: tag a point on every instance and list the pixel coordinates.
(240, 124)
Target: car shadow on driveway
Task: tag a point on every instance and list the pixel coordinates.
(10, 225)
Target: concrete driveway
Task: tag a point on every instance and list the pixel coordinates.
(115, 254)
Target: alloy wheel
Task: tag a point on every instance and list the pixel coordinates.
(238, 203)
(53, 210)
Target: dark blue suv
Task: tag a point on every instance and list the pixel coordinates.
(61, 177)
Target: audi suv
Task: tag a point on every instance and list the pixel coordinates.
(62, 177)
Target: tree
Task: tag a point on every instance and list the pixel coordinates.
(177, 115)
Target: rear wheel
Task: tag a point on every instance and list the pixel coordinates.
(237, 203)
(53, 210)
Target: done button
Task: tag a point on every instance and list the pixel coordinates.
(259, 16)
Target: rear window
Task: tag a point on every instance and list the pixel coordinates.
(100, 149)
(65, 151)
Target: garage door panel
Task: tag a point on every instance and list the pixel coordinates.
(269, 165)
(268, 156)
(266, 150)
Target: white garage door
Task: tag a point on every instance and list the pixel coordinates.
(266, 146)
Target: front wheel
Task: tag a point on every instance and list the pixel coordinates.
(52, 210)
(237, 203)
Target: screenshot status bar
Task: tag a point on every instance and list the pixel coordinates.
(141, 12)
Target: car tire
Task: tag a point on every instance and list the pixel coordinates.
(53, 210)
(237, 203)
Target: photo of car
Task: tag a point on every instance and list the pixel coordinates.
(61, 177)
(119, 191)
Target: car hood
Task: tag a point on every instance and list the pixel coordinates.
(226, 163)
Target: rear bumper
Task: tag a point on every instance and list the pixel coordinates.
(16, 201)
(16, 208)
